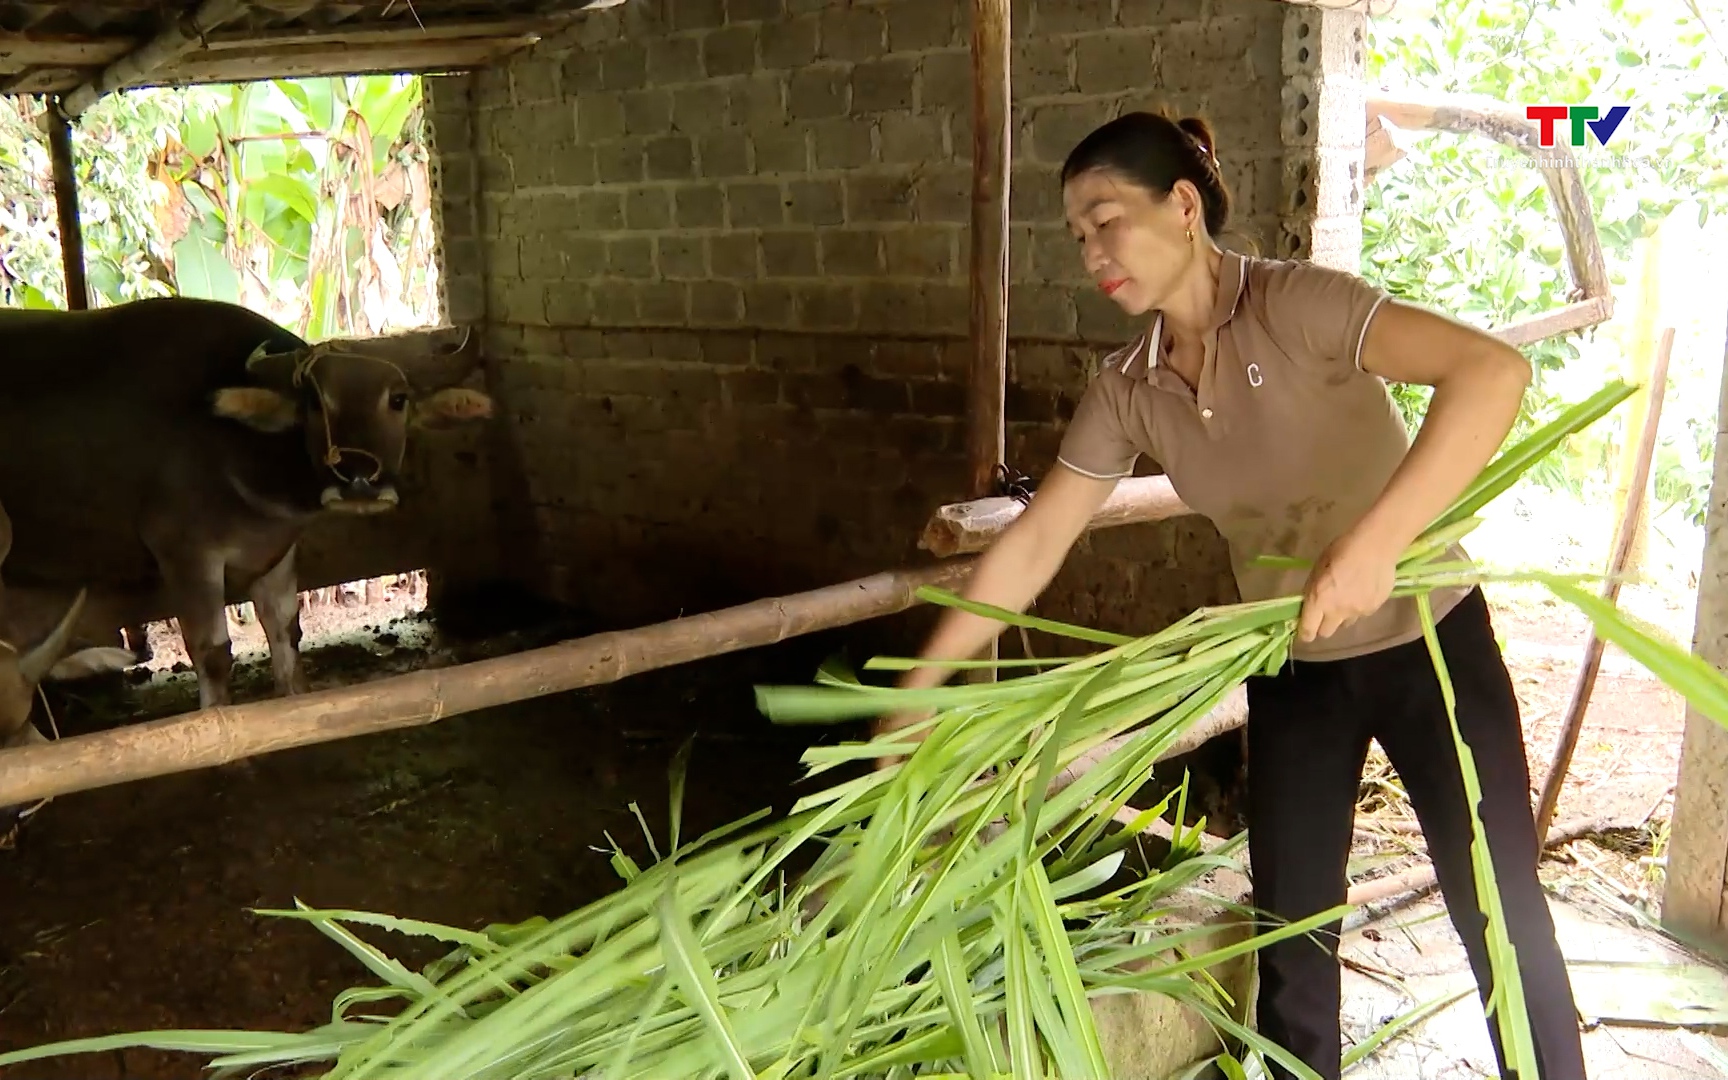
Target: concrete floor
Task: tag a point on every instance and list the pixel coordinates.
(1412, 955)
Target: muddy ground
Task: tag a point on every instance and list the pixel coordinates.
(127, 908)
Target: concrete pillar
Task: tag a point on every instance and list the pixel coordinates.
(1324, 106)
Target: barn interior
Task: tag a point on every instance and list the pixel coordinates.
(758, 295)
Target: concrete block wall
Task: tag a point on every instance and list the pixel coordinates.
(719, 251)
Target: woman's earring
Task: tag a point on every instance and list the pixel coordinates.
(1190, 235)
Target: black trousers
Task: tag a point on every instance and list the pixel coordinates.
(1308, 734)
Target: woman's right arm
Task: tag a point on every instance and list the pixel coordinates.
(1010, 574)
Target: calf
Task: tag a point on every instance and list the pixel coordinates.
(169, 454)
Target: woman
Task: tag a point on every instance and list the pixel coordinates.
(1259, 386)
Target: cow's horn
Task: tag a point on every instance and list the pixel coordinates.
(273, 366)
(462, 346)
(451, 364)
(35, 664)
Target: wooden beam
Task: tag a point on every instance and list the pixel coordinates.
(66, 205)
(969, 527)
(387, 33)
(23, 51)
(177, 39)
(1561, 320)
(321, 60)
(26, 50)
(1630, 521)
(215, 736)
(988, 383)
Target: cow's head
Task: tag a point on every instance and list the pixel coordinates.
(355, 400)
(23, 668)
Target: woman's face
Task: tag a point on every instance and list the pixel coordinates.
(1135, 245)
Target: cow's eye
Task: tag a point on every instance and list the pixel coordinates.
(398, 402)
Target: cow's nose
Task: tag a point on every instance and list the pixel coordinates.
(356, 467)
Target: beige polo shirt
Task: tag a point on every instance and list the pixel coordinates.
(1286, 443)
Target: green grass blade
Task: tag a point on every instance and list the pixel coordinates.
(1023, 1056)
(1508, 1010)
(685, 961)
(1506, 469)
(190, 1041)
(677, 772)
(950, 967)
(1398, 1025)
(946, 598)
(1703, 686)
(1065, 975)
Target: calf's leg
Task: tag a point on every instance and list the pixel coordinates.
(196, 586)
(276, 598)
(139, 642)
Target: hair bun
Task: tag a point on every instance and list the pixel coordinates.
(1200, 132)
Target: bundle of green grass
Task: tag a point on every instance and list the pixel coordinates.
(955, 917)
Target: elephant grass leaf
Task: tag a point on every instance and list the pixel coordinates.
(1506, 1007)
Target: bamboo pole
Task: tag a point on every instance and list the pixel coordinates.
(968, 527)
(1630, 518)
(66, 204)
(179, 37)
(216, 736)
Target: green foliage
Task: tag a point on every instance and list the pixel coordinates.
(307, 200)
(125, 258)
(1460, 225)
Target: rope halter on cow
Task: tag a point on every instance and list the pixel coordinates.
(303, 372)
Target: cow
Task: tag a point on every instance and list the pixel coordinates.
(169, 453)
(22, 669)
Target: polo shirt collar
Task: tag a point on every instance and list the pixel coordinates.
(1232, 276)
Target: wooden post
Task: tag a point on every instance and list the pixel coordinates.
(986, 435)
(986, 428)
(215, 736)
(66, 203)
(1695, 893)
(1630, 518)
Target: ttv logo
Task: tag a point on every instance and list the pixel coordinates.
(1582, 116)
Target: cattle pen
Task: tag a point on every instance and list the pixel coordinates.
(861, 342)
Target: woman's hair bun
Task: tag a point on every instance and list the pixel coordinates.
(1201, 132)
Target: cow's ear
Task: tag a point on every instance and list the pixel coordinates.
(257, 407)
(87, 662)
(450, 407)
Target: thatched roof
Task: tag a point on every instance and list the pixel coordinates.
(82, 47)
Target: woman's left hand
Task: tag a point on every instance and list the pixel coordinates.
(1351, 580)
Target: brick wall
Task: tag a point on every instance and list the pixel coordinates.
(719, 251)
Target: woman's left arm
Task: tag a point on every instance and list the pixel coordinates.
(1479, 383)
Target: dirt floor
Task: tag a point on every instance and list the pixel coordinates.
(127, 908)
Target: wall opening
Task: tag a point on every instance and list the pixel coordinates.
(383, 615)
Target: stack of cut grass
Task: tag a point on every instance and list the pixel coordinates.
(926, 939)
